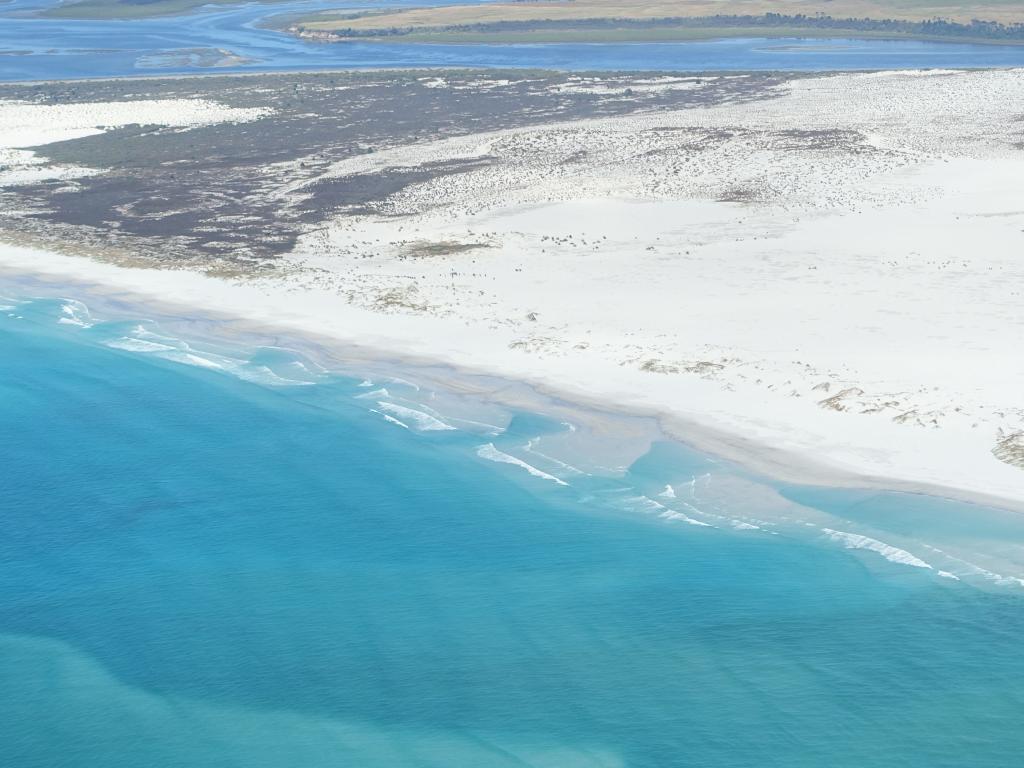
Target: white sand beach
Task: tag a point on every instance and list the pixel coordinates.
(824, 285)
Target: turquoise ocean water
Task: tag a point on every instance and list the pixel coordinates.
(224, 557)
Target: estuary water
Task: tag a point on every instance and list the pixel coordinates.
(213, 554)
(231, 39)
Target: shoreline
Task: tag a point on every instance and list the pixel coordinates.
(169, 292)
(468, 38)
(489, 70)
(233, 71)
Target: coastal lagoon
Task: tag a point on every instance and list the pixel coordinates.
(217, 553)
(231, 39)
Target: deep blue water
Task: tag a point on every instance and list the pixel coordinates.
(49, 48)
(212, 564)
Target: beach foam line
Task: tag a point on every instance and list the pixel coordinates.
(489, 452)
(176, 351)
(424, 421)
(889, 552)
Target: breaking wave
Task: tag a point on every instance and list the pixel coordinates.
(390, 419)
(491, 453)
(647, 504)
(423, 421)
(74, 312)
(972, 569)
(374, 394)
(143, 341)
(889, 552)
(567, 467)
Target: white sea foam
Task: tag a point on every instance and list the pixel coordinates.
(261, 374)
(568, 467)
(648, 504)
(365, 383)
(977, 570)
(188, 358)
(668, 493)
(406, 382)
(1010, 580)
(375, 394)
(671, 514)
(299, 368)
(307, 366)
(948, 575)
(707, 506)
(706, 477)
(491, 453)
(423, 421)
(998, 578)
(138, 345)
(303, 367)
(492, 429)
(142, 332)
(739, 525)
(889, 552)
(390, 419)
(168, 348)
(75, 313)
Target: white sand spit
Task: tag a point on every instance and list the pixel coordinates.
(830, 277)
